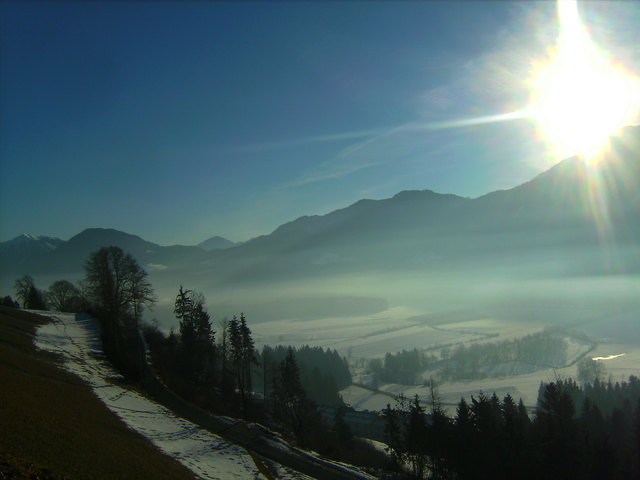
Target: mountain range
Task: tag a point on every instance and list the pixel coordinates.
(40, 254)
(573, 220)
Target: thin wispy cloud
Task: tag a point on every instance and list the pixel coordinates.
(355, 157)
(490, 89)
(392, 145)
(294, 142)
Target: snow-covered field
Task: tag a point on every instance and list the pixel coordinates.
(372, 336)
(366, 336)
(208, 455)
(524, 386)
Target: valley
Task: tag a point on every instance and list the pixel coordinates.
(420, 270)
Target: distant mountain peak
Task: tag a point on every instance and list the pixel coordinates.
(215, 242)
(26, 238)
(422, 194)
(413, 193)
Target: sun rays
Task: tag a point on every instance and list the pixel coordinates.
(578, 97)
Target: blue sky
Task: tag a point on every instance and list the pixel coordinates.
(178, 121)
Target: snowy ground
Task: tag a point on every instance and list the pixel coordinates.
(366, 336)
(208, 455)
(523, 385)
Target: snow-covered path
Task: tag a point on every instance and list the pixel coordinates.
(208, 455)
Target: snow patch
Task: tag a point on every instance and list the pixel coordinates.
(207, 455)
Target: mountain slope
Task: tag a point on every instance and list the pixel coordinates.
(571, 209)
(69, 257)
(572, 219)
(25, 247)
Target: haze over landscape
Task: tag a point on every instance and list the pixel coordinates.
(455, 179)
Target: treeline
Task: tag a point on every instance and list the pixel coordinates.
(405, 367)
(61, 296)
(608, 396)
(208, 371)
(222, 372)
(474, 361)
(115, 290)
(323, 373)
(477, 360)
(598, 438)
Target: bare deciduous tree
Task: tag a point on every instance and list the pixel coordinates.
(116, 284)
(63, 296)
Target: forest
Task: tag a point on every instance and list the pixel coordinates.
(589, 431)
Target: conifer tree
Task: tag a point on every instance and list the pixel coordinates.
(197, 338)
(292, 403)
(242, 356)
(465, 445)
(393, 434)
(248, 354)
(183, 310)
(415, 438)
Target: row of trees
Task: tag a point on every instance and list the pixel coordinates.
(192, 363)
(221, 375)
(405, 367)
(221, 371)
(28, 295)
(114, 283)
(490, 438)
(323, 373)
(61, 296)
(484, 440)
(467, 362)
(115, 289)
(477, 360)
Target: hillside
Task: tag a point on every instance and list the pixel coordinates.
(570, 206)
(52, 424)
(212, 447)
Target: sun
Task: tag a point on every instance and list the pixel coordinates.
(578, 97)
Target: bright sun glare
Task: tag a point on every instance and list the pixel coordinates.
(578, 97)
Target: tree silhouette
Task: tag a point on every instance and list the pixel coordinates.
(116, 284)
(292, 404)
(118, 289)
(64, 296)
(28, 294)
(23, 286)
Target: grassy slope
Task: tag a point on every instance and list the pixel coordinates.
(52, 425)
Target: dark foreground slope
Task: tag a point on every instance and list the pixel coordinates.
(52, 425)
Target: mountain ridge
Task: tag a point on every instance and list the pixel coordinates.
(215, 242)
(554, 211)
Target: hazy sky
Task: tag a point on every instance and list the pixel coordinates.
(178, 121)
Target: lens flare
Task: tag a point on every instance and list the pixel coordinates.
(578, 97)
